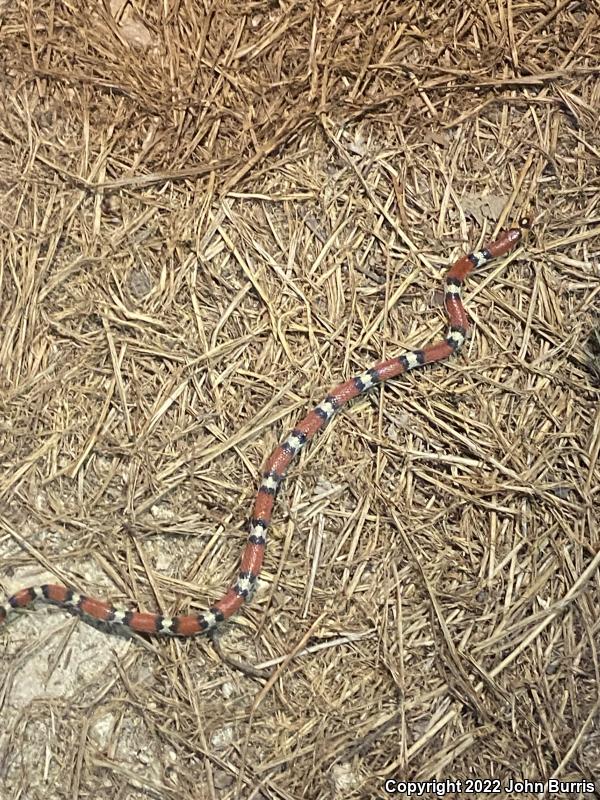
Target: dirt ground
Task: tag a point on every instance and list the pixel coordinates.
(211, 213)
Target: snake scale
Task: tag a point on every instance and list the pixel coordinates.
(274, 472)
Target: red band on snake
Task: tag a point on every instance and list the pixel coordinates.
(274, 472)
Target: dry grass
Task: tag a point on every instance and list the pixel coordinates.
(210, 215)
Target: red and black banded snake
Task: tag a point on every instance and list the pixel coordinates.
(275, 470)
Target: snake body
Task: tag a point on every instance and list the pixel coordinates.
(274, 472)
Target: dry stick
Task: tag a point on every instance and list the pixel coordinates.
(197, 708)
(289, 128)
(541, 24)
(33, 551)
(117, 362)
(267, 688)
(470, 695)
(13, 477)
(241, 666)
(556, 610)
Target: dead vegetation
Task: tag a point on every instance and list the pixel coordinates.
(211, 213)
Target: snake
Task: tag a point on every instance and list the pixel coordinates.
(274, 471)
